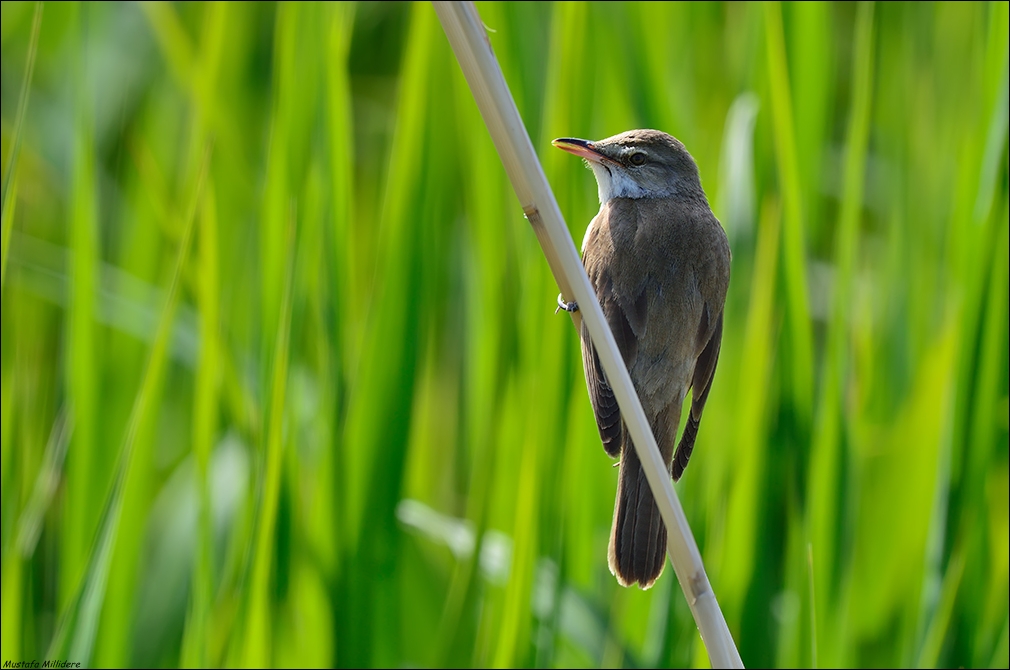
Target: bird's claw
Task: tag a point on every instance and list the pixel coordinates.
(567, 306)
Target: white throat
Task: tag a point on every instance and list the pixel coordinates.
(615, 183)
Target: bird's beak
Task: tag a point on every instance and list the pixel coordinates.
(583, 148)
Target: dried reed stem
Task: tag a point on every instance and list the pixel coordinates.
(469, 41)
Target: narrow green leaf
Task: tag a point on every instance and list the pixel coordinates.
(10, 185)
(84, 363)
(748, 451)
(257, 650)
(78, 625)
(794, 254)
(827, 461)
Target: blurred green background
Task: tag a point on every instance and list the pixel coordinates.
(281, 378)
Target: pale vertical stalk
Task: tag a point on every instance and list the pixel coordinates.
(465, 31)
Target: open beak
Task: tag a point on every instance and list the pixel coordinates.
(581, 148)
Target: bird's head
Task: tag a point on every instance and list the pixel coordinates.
(637, 164)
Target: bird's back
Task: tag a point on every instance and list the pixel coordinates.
(660, 268)
(630, 242)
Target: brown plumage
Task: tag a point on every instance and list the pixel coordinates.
(659, 262)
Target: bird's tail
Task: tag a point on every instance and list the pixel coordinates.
(638, 538)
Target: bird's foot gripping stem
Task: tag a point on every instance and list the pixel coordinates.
(567, 306)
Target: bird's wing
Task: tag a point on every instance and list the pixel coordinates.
(704, 370)
(601, 395)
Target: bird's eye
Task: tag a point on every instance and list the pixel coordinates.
(637, 159)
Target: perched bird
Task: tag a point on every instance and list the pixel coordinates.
(659, 261)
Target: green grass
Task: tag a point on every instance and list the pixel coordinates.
(314, 407)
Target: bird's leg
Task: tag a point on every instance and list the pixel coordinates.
(567, 306)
